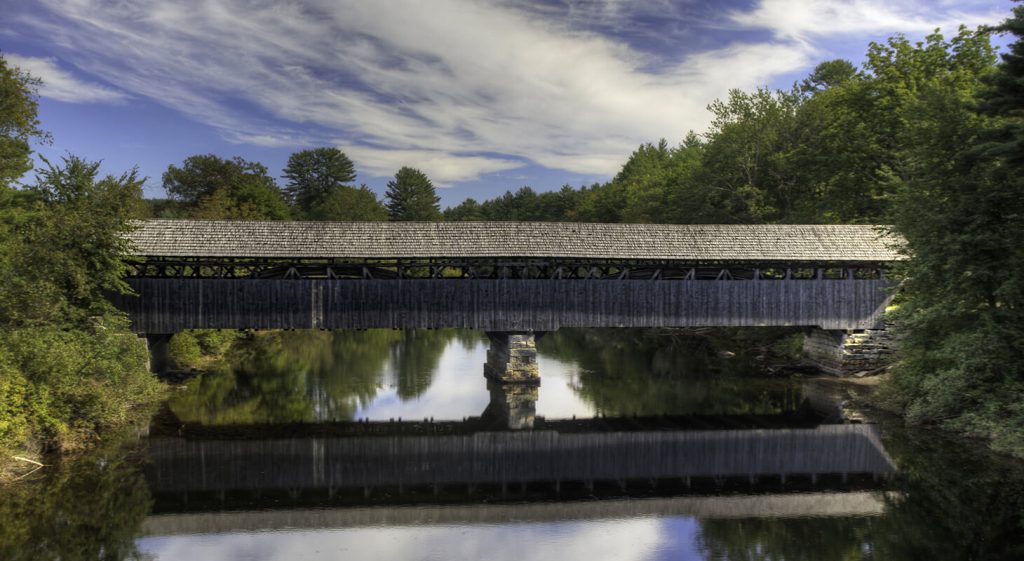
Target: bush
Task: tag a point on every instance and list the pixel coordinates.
(189, 349)
(61, 387)
(184, 350)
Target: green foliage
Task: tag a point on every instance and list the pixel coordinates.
(69, 366)
(625, 371)
(313, 175)
(184, 351)
(355, 204)
(867, 134)
(746, 158)
(467, 211)
(213, 188)
(66, 238)
(194, 347)
(411, 196)
(962, 214)
(305, 376)
(19, 123)
(828, 74)
(523, 205)
(77, 382)
(15, 406)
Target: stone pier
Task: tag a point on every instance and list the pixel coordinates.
(844, 353)
(513, 406)
(512, 358)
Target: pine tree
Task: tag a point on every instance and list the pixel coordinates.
(411, 196)
(313, 174)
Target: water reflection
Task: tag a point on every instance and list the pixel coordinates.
(314, 376)
(293, 449)
(532, 464)
(620, 540)
(89, 508)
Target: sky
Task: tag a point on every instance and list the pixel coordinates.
(481, 95)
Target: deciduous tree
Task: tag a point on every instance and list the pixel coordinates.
(19, 123)
(213, 187)
(350, 204)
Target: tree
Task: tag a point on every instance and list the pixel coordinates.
(314, 174)
(212, 187)
(351, 204)
(69, 365)
(958, 203)
(69, 242)
(19, 122)
(467, 211)
(862, 136)
(828, 74)
(746, 163)
(411, 196)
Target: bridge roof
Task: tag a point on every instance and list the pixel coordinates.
(676, 242)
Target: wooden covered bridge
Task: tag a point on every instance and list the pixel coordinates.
(503, 277)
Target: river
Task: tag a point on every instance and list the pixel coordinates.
(638, 444)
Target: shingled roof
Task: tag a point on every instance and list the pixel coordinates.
(694, 243)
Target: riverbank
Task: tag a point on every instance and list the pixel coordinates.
(63, 390)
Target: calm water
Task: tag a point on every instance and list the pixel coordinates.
(390, 445)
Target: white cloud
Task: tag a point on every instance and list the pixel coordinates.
(436, 84)
(800, 19)
(60, 84)
(443, 168)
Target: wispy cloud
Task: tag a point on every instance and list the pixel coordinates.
(60, 84)
(437, 164)
(798, 19)
(459, 88)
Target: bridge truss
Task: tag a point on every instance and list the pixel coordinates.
(493, 268)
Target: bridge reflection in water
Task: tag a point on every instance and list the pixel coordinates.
(828, 470)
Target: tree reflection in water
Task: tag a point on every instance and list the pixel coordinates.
(949, 501)
(307, 376)
(655, 372)
(91, 507)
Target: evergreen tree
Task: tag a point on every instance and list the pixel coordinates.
(411, 196)
(314, 174)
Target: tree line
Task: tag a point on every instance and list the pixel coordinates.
(319, 185)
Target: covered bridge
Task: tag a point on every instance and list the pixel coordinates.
(503, 276)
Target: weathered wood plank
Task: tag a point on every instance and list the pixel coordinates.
(171, 305)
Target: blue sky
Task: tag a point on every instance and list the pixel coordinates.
(483, 96)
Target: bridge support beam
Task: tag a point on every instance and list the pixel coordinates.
(848, 352)
(512, 358)
(513, 406)
(159, 351)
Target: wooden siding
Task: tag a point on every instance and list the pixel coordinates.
(171, 305)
